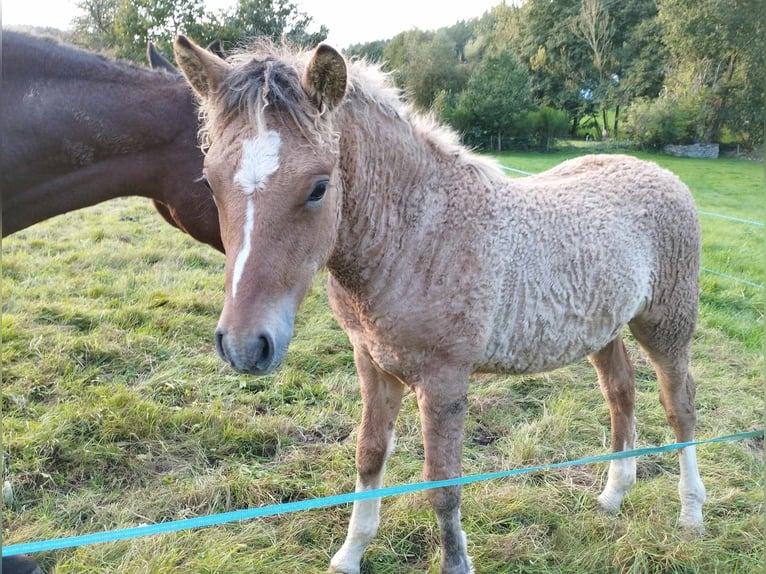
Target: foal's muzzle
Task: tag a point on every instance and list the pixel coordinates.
(255, 356)
(258, 350)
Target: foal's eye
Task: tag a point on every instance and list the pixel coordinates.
(317, 193)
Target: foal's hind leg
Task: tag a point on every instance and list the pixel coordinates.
(670, 358)
(382, 399)
(615, 376)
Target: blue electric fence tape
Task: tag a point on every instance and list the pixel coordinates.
(311, 504)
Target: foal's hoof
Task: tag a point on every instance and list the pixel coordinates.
(609, 504)
(690, 519)
(338, 567)
(692, 528)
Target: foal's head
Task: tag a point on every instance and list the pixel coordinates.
(270, 163)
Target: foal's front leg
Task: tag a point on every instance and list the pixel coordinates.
(616, 378)
(442, 414)
(381, 399)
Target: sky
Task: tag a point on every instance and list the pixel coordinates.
(349, 21)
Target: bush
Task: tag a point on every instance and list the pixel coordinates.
(546, 125)
(657, 123)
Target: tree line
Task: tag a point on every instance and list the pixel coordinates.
(122, 28)
(524, 73)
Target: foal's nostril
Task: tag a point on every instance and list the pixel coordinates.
(219, 345)
(264, 353)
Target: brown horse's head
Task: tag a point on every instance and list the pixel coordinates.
(270, 163)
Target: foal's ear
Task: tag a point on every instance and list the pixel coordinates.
(203, 70)
(325, 78)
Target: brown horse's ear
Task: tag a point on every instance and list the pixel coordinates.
(157, 61)
(216, 47)
(203, 70)
(325, 78)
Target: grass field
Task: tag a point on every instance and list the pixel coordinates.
(117, 412)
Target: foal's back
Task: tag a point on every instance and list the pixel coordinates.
(580, 251)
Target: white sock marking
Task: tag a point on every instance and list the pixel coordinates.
(260, 158)
(690, 489)
(620, 479)
(362, 528)
(365, 518)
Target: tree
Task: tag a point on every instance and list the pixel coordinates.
(716, 60)
(436, 68)
(546, 125)
(494, 103)
(639, 56)
(593, 26)
(497, 31)
(93, 28)
(371, 51)
(557, 60)
(460, 34)
(123, 27)
(581, 64)
(274, 19)
(137, 22)
(424, 64)
(653, 124)
(399, 51)
(635, 66)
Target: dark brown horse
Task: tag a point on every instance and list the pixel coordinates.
(79, 129)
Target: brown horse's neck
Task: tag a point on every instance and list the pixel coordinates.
(79, 129)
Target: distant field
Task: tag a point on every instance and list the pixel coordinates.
(117, 412)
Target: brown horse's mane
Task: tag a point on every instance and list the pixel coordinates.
(267, 74)
(61, 59)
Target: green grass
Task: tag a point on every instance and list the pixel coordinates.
(116, 412)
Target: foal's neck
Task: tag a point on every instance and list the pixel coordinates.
(392, 187)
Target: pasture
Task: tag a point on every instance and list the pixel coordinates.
(117, 412)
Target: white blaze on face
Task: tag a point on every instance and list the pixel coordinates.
(260, 158)
(244, 251)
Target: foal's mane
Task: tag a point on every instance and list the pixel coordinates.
(266, 74)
